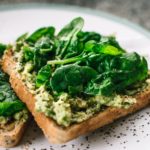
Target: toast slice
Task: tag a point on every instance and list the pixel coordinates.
(54, 132)
(11, 134)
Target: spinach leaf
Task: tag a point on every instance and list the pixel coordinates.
(45, 31)
(66, 61)
(77, 44)
(45, 45)
(39, 54)
(103, 87)
(68, 35)
(102, 62)
(43, 75)
(11, 107)
(40, 59)
(9, 103)
(104, 48)
(28, 53)
(2, 49)
(70, 29)
(120, 77)
(75, 48)
(22, 37)
(43, 52)
(71, 78)
(111, 40)
(88, 36)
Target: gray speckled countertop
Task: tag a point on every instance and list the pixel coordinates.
(137, 11)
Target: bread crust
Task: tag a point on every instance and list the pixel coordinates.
(10, 138)
(54, 132)
(11, 134)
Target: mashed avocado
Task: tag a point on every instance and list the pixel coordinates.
(4, 120)
(62, 110)
(19, 116)
(67, 110)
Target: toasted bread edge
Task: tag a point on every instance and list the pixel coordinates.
(11, 138)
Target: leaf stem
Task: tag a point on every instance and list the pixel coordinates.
(64, 61)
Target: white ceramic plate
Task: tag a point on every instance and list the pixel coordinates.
(130, 133)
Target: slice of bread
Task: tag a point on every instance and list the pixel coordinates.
(11, 134)
(54, 132)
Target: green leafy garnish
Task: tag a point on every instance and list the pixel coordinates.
(11, 107)
(43, 75)
(9, 103)
(80, 62)
(72, 78)
(67, 37)
(22, 37)
(46, 31)
(119, 77)
(39, 46)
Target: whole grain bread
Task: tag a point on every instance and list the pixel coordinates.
(11, 134)
(56, 133)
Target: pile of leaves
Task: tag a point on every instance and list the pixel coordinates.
(79, 62)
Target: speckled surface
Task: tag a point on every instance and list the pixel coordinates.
(137, 11)
(116, 135)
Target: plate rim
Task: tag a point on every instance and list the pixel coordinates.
(123, 21)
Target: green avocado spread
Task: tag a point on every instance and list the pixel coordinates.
(76, 74)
